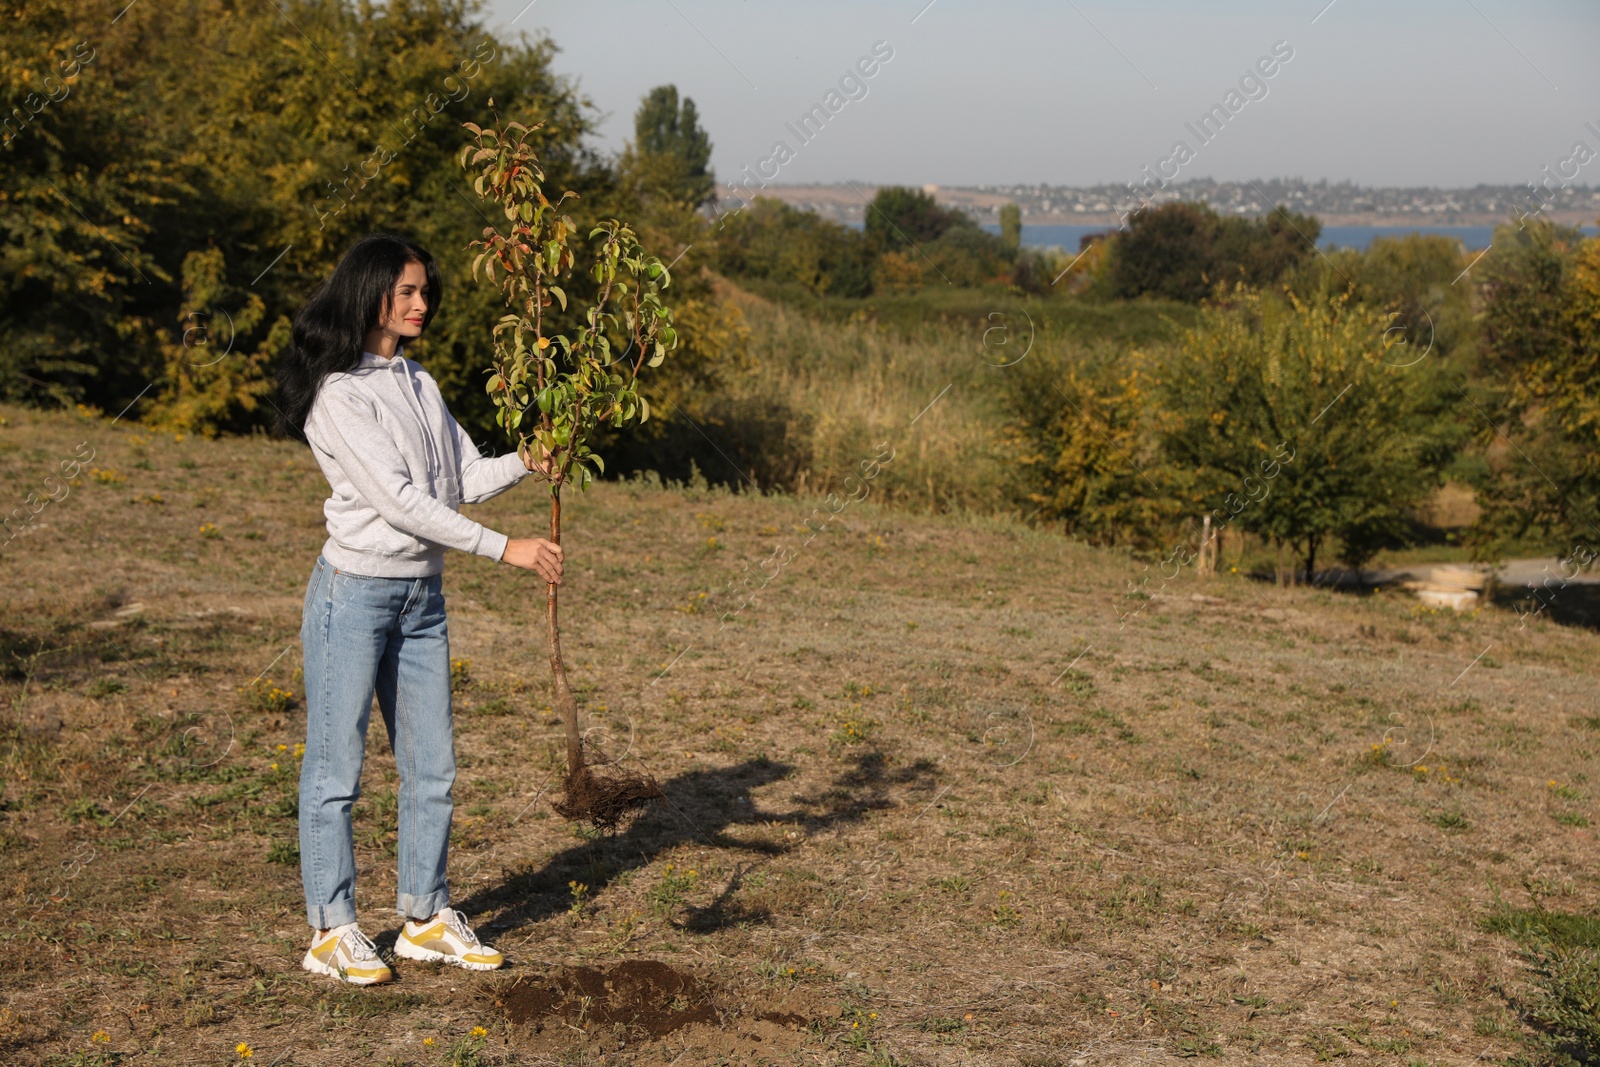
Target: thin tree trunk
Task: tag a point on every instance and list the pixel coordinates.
(565, 705)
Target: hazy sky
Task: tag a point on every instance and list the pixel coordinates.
(1421, 92)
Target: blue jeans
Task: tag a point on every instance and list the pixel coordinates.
(387, 634)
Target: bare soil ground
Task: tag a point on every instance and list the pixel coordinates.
(932, 797)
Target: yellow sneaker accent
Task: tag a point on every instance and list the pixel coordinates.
(348, 955)
(447, 939)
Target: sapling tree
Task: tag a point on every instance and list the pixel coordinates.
(561, 372)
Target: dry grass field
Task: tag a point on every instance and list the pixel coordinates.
(932, 798)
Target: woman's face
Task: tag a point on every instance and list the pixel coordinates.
(408, 303)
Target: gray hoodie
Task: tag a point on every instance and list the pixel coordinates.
(400, 466)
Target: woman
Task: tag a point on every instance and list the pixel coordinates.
(399, 467)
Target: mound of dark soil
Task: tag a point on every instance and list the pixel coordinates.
(643, 994)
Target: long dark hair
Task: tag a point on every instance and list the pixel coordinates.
(330, 330)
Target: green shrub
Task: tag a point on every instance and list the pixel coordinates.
(1083, 434)
(1288, 421)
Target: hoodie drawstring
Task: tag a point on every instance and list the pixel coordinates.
(435, 453)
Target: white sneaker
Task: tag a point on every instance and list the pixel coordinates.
(347, 954)
(446, 938)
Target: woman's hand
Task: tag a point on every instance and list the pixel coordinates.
(535, 554)
(549, 466)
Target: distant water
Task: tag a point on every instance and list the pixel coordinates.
(1473, 237)
(1067, 237)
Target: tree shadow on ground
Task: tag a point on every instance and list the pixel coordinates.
(700, 807)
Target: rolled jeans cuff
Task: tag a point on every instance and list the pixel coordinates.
(423, 907)
(335, 913)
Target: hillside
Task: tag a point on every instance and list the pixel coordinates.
(931, 798)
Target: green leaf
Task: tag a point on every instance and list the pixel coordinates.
(560, 294)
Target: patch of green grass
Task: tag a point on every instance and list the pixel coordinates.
(669, 893)
(497, 706)
(1325, 1045)
(1190, 1045)
(1536, 926)
(104, 687)
(854, 729)
(87, 1058)
(941, 1024)
(1563, 999)
(286, 852)
(84, 808)
(370, 1004)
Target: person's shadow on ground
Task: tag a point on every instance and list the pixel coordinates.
(700, 806)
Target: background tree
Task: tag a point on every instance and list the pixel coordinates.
(1414, 279)
(662, 180)
(1165, 251)
(670, 153)
(1540, 385)
(1260, 251)
(899, 217)
(1083, 431)
(1183, 251)
(1011, 227)
(1292, 424)
(252, 161)
(771, 241)
(85, 272)
(206, 385)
